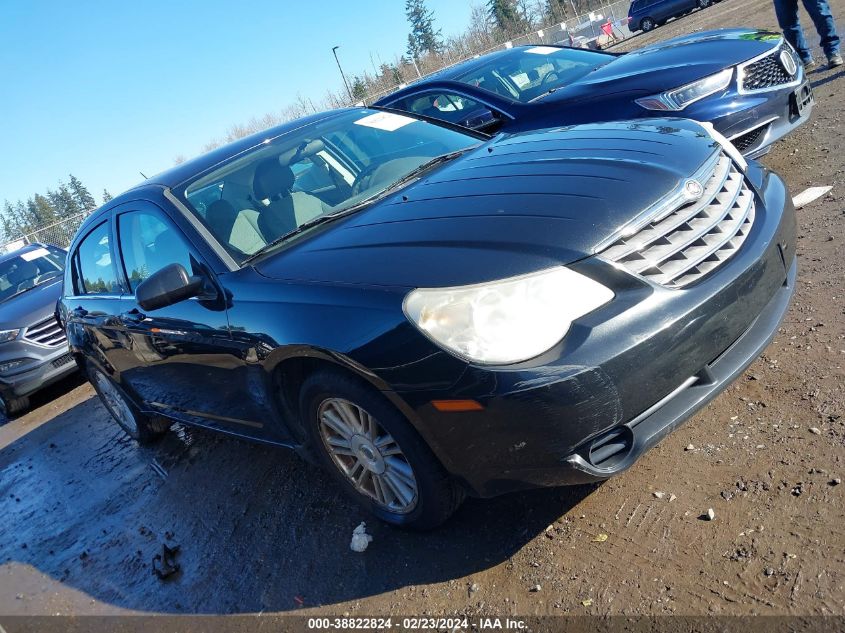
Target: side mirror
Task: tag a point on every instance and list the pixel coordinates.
(167, 286)
(483, 119)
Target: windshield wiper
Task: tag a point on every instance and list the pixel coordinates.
(321, 219)
(19, 293)
(421, 169)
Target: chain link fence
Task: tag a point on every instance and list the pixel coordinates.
(598, 29)
(59, 233)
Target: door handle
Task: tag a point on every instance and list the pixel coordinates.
(133, 316)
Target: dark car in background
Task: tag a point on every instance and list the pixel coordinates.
(749, 84)
(429, 313)
(644, 15)
(33, 348)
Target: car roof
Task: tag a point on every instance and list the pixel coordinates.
(190, 168)
(25, 249)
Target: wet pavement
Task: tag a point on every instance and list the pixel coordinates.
(85, 510)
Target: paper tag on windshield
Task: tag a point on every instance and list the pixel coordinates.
(38, 252)
(385, 121)
(542, 50)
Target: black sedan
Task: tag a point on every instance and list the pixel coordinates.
(749, 84)
(429, 313)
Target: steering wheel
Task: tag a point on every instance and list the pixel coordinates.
(363, 175)
(549, 77)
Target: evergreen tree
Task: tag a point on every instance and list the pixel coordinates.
(44, 211)
(8, 225)
(64, 202)
(19, 217)
(423, 38)
(106, 196)
(83, 198)
(359, 89)
(505, 16)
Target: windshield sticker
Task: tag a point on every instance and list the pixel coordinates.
(385, 121)
(542, 50)
(38, 252)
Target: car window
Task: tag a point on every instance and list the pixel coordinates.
(29, 269)
(315, 170)
(95, 273)
(148, 244)
(527, 73)
(450, 107)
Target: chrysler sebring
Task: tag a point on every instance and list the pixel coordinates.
(428, 312)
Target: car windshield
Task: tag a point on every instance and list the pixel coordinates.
(29, 269)
(527, 73)
(314, 173)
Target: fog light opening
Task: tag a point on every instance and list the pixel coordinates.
(612, 448)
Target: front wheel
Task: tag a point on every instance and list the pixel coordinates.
(375, 454)
(140, 427)
(11, 406)
(647, 24)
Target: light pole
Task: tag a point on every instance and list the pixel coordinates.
(345, 83)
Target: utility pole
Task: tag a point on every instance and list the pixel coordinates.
(345, 83)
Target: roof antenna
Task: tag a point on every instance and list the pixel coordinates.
(142, 173)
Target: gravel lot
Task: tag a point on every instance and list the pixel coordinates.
(83, 511)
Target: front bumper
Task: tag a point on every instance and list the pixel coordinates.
(626, 375)
(45, 367)
(755, 121)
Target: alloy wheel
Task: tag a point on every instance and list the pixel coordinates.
(367, 455)
(115, 403)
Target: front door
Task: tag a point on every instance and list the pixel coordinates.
(182, 358)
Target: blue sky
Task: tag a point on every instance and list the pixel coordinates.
(105, 89)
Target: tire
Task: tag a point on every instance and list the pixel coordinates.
(647, 24)
(339, 410)
(703, 4)
(12, 406)
(140, 427)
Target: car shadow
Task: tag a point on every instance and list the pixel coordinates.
(254, 528)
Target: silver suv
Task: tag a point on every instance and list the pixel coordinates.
(33, 348)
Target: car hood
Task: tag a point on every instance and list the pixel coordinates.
(31, 306)
(516, 204)
(670, 64)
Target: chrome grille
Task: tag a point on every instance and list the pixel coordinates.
(683, 241)
(768, 72)
(46, 332)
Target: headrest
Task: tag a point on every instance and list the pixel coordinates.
(271, 179)
(220, 212)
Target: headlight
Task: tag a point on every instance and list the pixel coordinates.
(8, 335)
(505, 321)
(680, 98)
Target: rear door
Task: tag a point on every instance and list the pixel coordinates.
(92, 299)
